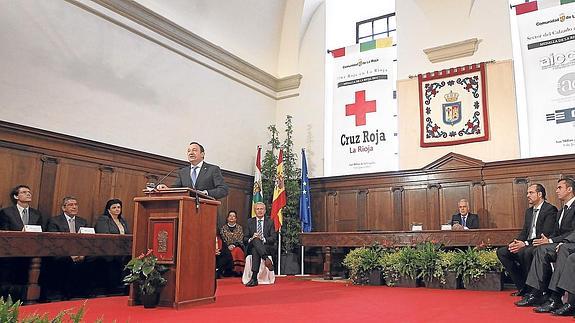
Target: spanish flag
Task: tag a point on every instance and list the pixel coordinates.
(280, 199)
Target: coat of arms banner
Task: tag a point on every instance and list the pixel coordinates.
(453, 106)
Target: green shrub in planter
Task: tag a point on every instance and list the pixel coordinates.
(389, 262)
(361, 261)
(428, 257)
(473, 263)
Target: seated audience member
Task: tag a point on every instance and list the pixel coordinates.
(233, 235)
(224, 261)
(566, 280)
(112, 273)
(67, 275)
(542, 278)
(14, 271)
(259, 239)
(14, 218)
(539, 219)
(464, 219)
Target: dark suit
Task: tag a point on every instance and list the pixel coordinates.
(209, 179)
(112, 266)
(59, 223)
(472, 221)
(63, 275)
(518, 264)
(105, 224)
(11, 220)
(539, 276)
(14, 270)
(256, 247)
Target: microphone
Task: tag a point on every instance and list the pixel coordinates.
(168, 174)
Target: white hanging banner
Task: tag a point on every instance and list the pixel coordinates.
(364, 116)
(548, 51)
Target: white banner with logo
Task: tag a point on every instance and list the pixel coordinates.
(364, 115)
(548, 51)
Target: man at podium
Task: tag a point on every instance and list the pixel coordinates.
(201, 176)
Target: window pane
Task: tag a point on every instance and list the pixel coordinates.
(364, 29)
(394, 35)
(392, 22)
(379, 26)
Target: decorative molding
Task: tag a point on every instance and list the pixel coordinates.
(187, 39)
(452, 51)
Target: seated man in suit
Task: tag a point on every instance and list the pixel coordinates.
(565, 281)
(539, 219)
(68, 273)
(259, 238)
(14, 271)
(14, 218)
(464, 219)
(201, 176)
(539, 277)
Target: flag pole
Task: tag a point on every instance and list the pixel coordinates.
(280, 254)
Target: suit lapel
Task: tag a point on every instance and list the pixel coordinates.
(15, 214)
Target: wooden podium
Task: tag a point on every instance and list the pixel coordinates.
(181, 233)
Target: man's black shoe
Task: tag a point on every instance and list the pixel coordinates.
(522, 292)
(252, 283)
(565, 310)
(549, 306)
(529, 300)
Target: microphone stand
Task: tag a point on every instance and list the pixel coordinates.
(197, 198)
(168, 174)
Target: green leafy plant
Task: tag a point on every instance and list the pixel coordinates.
(428, 258)
(361, 261)
(9, 311)
(146, 273)
(389, 262)
(291, 226)
(447, 263)
(473, 263)
(407, 262)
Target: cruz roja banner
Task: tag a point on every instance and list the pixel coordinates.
(364, 116)
(548, 52)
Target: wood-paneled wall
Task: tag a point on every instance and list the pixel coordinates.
(394, 200)
(56, 165)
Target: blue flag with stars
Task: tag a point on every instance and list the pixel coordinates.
(304, 198)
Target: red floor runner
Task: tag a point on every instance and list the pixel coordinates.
(298, 300)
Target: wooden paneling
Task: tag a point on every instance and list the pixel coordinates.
(415, 205)
(394, 200)
(56, 165)
(380, 200)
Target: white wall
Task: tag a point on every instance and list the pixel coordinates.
(66, 70)
(250, 29)
(307, 109)
(424, 24)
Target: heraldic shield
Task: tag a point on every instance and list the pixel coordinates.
(451, 112)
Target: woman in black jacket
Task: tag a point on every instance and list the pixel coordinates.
(112, 222)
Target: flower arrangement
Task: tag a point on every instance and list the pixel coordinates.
(146, 273)
(361, 261)
(428, 258)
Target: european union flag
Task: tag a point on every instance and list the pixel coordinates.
(304, 198)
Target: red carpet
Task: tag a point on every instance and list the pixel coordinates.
(297, 300)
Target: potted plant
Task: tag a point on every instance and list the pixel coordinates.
(428, 259)
(480, 269)
(364, 265)
(400, 267)
(445, 273)
(145, 272)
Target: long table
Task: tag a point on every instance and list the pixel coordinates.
(56, 244)
(462, 238)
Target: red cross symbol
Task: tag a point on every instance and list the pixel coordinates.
(360, 108)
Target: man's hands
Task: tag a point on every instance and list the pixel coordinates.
(515, 246)
(541, 241)
(162, 187)
(456, 227)
(77, 258)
